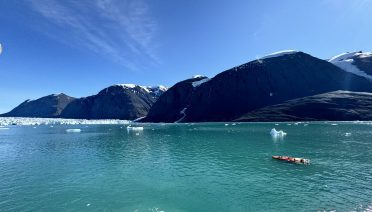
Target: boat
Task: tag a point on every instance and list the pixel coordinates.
(292, 159)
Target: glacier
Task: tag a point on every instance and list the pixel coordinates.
(7, 121)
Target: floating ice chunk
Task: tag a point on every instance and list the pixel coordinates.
(275, 133)
(130, 128)
(334, 124)
(226, 124)
(347, 134)
(73, 130)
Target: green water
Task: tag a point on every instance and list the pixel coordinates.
(186, 167)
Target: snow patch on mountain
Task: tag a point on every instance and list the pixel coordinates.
(156, 90)
(198, 83)
(183, 113)
(345, 61)
(279, 54)
(198, 76)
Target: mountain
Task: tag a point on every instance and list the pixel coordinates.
(123, 101)
(332, 106)
(270, 80)
(46, 107)
(359, 63)
(170, 106)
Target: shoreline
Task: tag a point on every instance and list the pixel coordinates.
(27, 121)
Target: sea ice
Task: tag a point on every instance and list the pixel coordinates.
(6, 121)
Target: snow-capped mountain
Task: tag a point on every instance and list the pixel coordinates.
(279, 54)
(269, 80)
(359, 63)
(123, 101)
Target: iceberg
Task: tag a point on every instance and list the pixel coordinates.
(130, 128)
(73, 130)
(275, 133)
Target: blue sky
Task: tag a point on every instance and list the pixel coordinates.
(80, 47)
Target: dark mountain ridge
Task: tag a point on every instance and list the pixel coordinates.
(332, 106)
(124, 101)
(49, 106)
(263, 82)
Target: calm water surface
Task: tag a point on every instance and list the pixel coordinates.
(186, 167)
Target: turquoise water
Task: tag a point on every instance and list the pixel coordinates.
(186, 167)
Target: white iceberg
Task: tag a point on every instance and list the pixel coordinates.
(73, 130)
(275, 133)
(130, 128)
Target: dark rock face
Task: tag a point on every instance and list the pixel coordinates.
(257, 84)
(115, 102)
(169, 106)
(261, 83)
(46, 107)
(333, 106)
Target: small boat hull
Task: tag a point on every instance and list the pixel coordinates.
(292, 159)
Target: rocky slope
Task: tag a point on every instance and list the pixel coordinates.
(46, 107)
(267, 81)
(332, 106)
(123, 101)
(170, 107)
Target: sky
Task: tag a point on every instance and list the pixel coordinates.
(80, 47)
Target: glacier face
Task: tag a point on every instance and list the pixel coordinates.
(6, 121)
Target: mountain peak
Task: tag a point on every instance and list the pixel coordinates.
(279, 54)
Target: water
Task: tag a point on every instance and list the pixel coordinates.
(186, 167)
